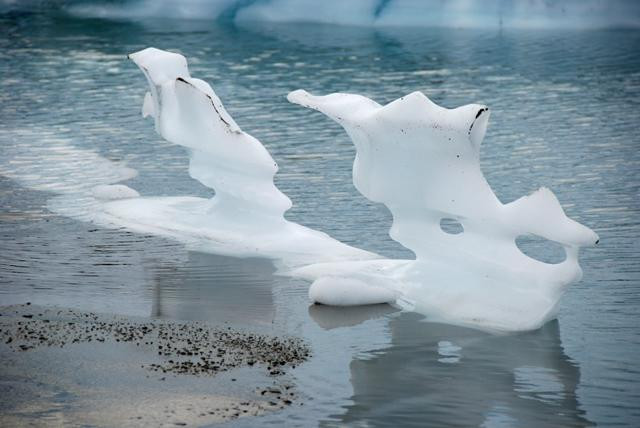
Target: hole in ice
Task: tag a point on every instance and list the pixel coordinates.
(451, 226)
(541, 249)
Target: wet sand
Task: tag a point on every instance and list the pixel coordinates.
(72, 368)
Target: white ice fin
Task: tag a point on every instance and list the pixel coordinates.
(246, 215)
(187, 112)
(422, 162)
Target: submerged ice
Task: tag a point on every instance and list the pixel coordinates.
(423, 162)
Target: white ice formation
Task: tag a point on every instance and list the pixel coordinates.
(422, 162)
(246, 215)
(419, 159)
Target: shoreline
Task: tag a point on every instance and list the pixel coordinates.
(70, 367)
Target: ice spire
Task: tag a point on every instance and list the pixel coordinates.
(187, 112)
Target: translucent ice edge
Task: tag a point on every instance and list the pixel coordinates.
(422, 161)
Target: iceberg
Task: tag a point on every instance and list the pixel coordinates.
(423, 162)
(419, 159)
(245, 217)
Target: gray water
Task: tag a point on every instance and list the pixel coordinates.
(565, 115)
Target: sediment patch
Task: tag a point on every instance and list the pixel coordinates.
(169, 349)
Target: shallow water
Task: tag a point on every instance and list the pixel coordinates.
(565, 114)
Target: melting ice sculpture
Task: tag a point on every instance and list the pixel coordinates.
(246, 215)
(422, 162)
(187, 112)
(419, 159)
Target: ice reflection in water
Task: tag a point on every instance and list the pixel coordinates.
(523, 380)
(215, 288)
(401, 370)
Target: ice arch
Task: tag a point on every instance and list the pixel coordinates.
(422, 162)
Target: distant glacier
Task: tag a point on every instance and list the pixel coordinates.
(578, 14)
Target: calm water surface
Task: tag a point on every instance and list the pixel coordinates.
(565, 115)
